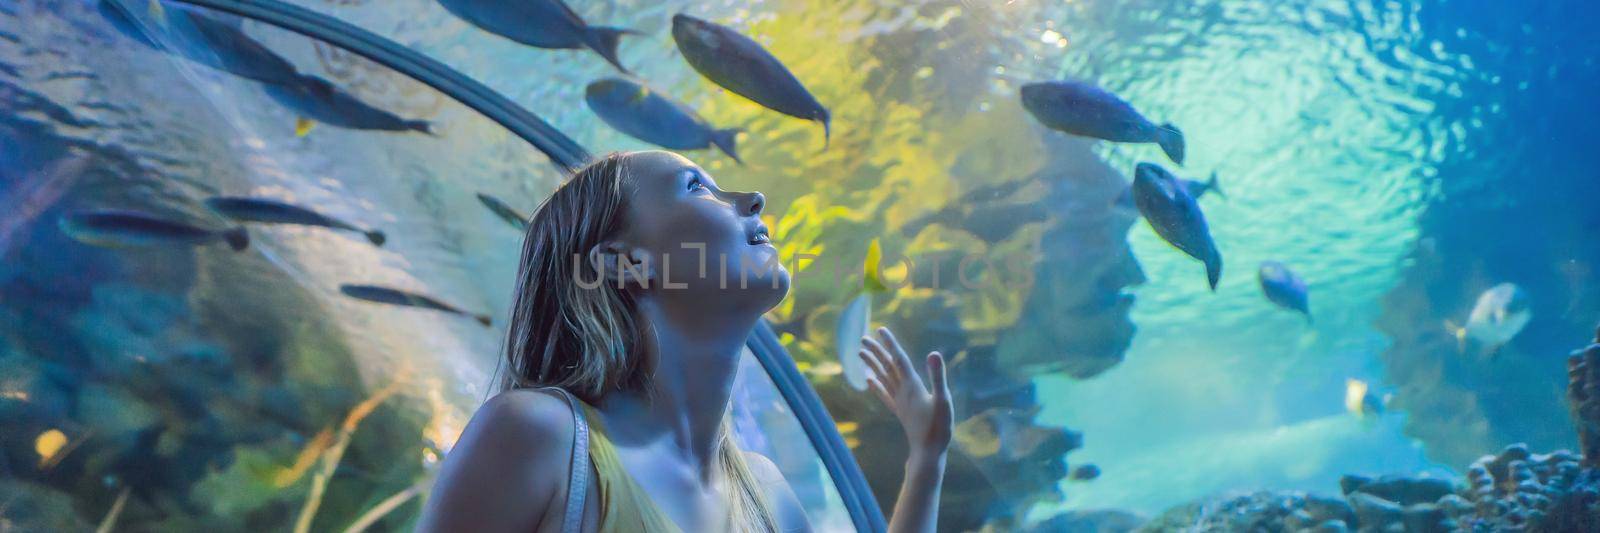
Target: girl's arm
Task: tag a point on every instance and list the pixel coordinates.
(924, 410)
(506, 469)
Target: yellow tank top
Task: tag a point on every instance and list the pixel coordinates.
(624, 506)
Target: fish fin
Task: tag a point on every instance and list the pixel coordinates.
(604, 41)
(421, 125)
(302, 126)
(724, 139)
(237, 238)
(1214, 187)
(376, 237)
(1171, 141)
(1214, 269)
(827, 126)
(484, 319)
(1460, 333)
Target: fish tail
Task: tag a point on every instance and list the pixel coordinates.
(1214, 187)
(237, 238)
(484, 319)
(604, 41)
(1214, 269)
(827, 124)
(376, 237)
(1460, 333)
(420, 125)
(724, 139)
(1171, 141)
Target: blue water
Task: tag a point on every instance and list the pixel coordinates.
(1402, 156)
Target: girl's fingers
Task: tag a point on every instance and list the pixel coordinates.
(901, 360)
(883, 395)
(872, 363)
(896, 373)
(936, 371)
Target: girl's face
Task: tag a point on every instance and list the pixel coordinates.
(700, 240)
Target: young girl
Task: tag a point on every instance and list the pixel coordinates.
(639, 284)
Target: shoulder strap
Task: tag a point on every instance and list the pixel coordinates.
(578, 483)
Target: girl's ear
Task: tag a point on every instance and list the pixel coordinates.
(623, 266)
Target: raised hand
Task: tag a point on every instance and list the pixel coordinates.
(923, 409)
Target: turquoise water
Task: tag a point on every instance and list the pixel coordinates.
(1402, 156)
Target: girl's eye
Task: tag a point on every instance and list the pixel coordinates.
(696, 184)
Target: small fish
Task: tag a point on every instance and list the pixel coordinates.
(1083, 109)
(200, 38)
(1176, 217)
(1359, 399)
(649, 116)
(115, 229)
(978, 436)
(741, 65)
(385, 295)
(317, 99)
(1196, 188)
(540, 23)
(1285, 288)
(262, 210)
(504, 211)
(1498, 316)
(48, 444)
(1084, 473)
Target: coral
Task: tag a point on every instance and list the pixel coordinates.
(1258, 511)
(1583, 397)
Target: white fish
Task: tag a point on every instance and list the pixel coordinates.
(853, 324)
(1499, 315)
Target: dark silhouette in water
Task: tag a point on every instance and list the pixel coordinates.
(1284, 288)
(1175, 216)
(115, 229)
(504, 211)
(741, 65)
(263, 210)
(319, 100)
(540, 23)
(1196, 188)
(385, 295)
(1083, 109)
(202, 39)
(649, 116)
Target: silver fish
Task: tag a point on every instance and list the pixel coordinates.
(649, 116)
(1498, 316)
(540, 23)
(1083, 109)
(199, 38)
(1176, 217)
(116, 229)
(1284, 288)
(243, 209)
(386, 295)
(741, 65)
(504, 211)
(319, 100)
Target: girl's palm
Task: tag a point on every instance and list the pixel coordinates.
(924, 410)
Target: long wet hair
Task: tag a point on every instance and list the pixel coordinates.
(585, 337)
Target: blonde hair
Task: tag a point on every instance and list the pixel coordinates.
(584, 337)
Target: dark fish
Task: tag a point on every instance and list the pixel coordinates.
(199, 38)
(1175, 216)
(274, 212)
(1085, 473)
(385, 295)
(741, 65)
(649, 116)
(1197, 189)
(115, 229)
(504, 211)
(1083, 109)
(317, 99)
(539, 23)
(1284, 287)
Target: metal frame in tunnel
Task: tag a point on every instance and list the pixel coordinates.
(847, 477)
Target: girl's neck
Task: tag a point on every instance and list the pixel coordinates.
(696, 359)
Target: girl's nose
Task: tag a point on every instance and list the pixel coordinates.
(757, 202)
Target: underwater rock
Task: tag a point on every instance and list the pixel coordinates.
(1258, 511)
(1090, 521)
(1583, 399)
(1398, 489)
